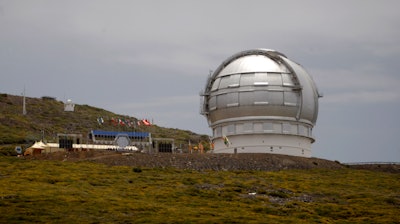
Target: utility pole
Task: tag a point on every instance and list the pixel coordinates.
(23, 103)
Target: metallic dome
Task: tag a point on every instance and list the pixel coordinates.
(262, 102)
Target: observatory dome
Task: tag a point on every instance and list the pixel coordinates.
(259, 101)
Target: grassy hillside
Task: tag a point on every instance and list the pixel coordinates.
(86, 192)
(47, 117)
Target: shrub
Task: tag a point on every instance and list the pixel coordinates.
(279, 194)
(137, 169)
(8, 151)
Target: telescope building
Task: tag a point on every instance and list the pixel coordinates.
(259, 101)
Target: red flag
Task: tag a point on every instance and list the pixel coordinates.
(146, 122)
(113, 121)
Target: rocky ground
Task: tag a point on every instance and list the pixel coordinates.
(266, 162)
(390, 168)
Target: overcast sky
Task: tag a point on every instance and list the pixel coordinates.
(150, 59)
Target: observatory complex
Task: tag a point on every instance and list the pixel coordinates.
(259, 101)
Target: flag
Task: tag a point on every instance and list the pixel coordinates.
(226, 140)
(114, 121)
(100, 120)
(146, 122)
(211, 143)
(201, 147)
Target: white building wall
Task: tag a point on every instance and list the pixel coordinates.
(261, 143)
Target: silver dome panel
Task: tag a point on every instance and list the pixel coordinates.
(263, 82)
(260, 88)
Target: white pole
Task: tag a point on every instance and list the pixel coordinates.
(24, 104)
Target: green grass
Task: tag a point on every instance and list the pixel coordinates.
(85, 192)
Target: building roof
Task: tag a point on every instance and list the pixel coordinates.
(115, 133)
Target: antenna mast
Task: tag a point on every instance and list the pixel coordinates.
(24, 103)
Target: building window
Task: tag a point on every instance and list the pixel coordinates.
(277, 127)
(268, 127)
(239, 128)
(286, 128)
(231, 129)
(302, 130)
(248, 127)
(294, 129)
(217, 132)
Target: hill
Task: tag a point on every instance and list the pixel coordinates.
(46, 117)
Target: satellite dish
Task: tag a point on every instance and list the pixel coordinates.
(18, 149)
(122, 141)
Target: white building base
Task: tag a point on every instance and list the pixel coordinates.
(265, 143)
